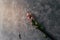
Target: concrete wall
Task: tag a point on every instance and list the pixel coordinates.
(13, 19)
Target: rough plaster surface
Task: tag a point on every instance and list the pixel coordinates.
(13, 19)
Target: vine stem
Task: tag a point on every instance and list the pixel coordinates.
(39, 26)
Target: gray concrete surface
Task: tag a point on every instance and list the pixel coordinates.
(13, 19)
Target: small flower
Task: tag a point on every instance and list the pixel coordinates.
(29, 16)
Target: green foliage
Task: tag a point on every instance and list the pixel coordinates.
(41, 28)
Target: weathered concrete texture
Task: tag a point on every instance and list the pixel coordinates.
(13, 19)
(48, 12)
